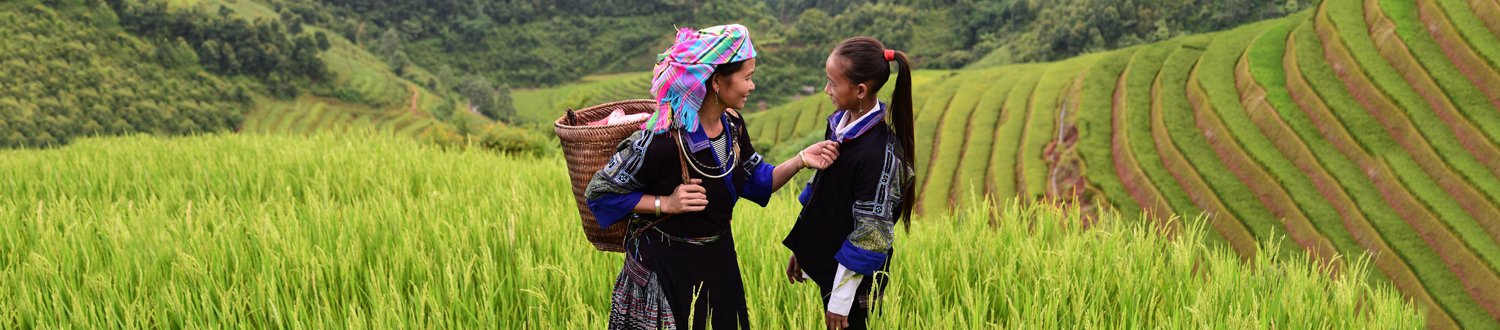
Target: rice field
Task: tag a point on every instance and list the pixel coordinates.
(311, 115)
(543, 105)
(1355, 128)
(371, 230)
(1360, 128)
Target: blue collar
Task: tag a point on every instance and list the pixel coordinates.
(697, 140)
(858, 128)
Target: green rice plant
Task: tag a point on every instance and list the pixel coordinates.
(1475, 48)
(309, 115)
(1263, 72)
(926, 118)
(1309, 180)
(949, 138)
(762, 128)
(1143, 69)
(789, 116)
(1026, 166)
(1488, 12)
(1041, 122)
(1405, 109)
(543, 105)
(1178, 140)
(1094, 117)
(1410, 49)
(979, 144)
(1464, 192)
(371, 230)
(1000, 181)
(1123, 160)
(812, 116)
(1249, 155)
(1333, 111)
(1416, 35)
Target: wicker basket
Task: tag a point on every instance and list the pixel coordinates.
(588, 149)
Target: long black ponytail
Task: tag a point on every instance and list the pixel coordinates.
(869, 61)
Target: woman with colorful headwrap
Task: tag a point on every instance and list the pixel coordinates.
(680, 264)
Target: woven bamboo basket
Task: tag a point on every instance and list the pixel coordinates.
(588, 149)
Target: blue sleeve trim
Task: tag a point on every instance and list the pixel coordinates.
(860, 260)
(611, 208)
(806, 194)
(758, 186)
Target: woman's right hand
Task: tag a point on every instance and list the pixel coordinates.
(820, 155)
(690, 197)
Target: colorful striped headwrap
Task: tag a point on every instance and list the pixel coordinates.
(678, 80)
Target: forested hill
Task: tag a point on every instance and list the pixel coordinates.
(446, 68)
(94, 67)
(68, 70)
(534, 43)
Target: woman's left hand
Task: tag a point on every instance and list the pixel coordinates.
(820, 155)
(835, 321)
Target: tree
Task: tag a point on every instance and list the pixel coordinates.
(481, 95)
(389, 43)
(399, 62)
(293, 21)
(814, 26)
(177, 54)
(323, 44)
(210, 55)
(505, 108)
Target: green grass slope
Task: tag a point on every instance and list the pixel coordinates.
(364, 91)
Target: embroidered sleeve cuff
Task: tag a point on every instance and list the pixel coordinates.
(845, 285)
(611, 208)
(859, 260)
(758, 186)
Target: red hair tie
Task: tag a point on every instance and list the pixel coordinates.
(890, 55)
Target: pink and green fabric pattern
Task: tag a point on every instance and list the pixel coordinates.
(677, 82)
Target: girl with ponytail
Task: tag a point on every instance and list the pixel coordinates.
(844, 238)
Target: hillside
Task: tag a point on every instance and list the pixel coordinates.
(1354, 128)
(369, 230)
(364, 91)
(544, 105)
(74, 72)
(75, 69)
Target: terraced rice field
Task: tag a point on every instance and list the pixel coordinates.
(547, 104)
(306, 115)
(1357, 129)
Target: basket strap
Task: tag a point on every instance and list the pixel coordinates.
(681, 165)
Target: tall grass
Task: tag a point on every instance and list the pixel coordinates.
(374, 231)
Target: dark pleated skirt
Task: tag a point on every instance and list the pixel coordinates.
(667, 284)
